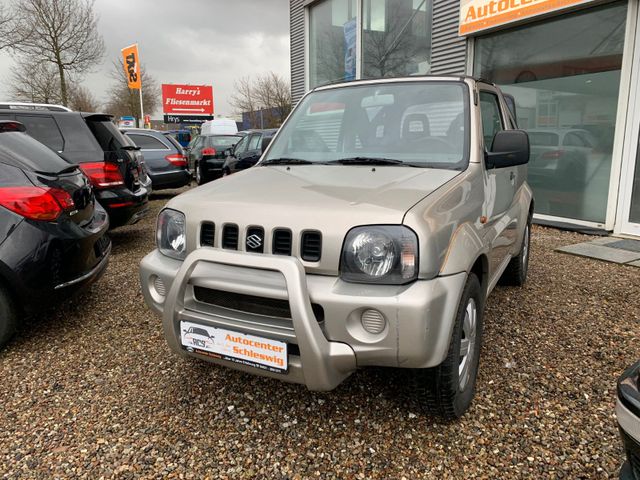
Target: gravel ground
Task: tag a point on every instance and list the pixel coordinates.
(90, 390)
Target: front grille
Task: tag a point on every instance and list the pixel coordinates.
(281, 242)
(311, 246)
(270, 307)
(255, 240)
(255, 237)
(230, 237)
(207, 234)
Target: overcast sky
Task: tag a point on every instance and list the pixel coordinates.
(190, 41)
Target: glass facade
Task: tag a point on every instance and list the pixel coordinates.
(332, 41)
(395, 38)
(565, 76)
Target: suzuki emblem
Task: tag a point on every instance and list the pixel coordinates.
(254, 241)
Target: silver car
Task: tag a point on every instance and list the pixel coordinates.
(370, 233)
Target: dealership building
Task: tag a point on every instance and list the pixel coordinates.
(573, 67)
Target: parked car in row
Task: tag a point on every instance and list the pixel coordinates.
(247, 152)
(207, 155)
(52, 230)
(113, 163)
(370, 234)
(628, 414)
(164, 157)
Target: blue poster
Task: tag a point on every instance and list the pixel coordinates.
(350, 50)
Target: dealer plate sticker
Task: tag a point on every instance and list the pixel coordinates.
(224, 344)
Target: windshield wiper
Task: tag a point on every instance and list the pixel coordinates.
(367, 161)
(286, 161)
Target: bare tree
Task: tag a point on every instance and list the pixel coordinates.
(82, 100)
(9, 31)
(33, 81)
(63, 33)
(266, 99)
(123, 101)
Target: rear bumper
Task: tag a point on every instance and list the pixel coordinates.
(418, 317)
(44, 264)
(170, 179)
(123, 206)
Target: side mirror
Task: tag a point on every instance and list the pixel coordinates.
(509, 148)
(265, 142)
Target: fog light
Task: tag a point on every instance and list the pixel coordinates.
(373, 321)
(158, 290)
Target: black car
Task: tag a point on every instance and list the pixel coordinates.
(112, 162)
(52, 231)
(163, 156)
(247, 152)
(628, 413)
(207, 154)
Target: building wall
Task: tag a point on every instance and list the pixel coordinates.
(448, 50)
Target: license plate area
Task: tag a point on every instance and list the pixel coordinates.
(257, 352)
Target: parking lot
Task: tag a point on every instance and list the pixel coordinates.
(91, 390)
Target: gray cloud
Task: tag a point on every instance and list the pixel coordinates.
(191, 41)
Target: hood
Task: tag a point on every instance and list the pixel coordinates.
(331, 199)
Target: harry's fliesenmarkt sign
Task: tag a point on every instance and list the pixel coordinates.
(478, 15)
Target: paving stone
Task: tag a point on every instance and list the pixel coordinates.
(600, 252)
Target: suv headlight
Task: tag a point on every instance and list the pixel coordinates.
(170, 234)
(380, 254)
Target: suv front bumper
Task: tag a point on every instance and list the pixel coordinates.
(418, 317)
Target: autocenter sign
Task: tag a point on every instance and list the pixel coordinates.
(187, 99)
(479, 15)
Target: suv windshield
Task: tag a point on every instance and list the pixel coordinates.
(424, 124)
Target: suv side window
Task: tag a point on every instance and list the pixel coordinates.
(147, 142)
(44, 129)
(491, 117)
(241, 146)
(255, 141)
(572, 139)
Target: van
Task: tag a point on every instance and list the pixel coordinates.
(219, 126)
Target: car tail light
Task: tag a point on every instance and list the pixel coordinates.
(103, 174)
(209, 151)
(36, 203)
(177, 159)
(553, 155)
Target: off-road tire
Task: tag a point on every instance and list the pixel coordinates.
(516, 272)
(8, 317)
(437, 390)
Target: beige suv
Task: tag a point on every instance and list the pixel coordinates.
(369, 234)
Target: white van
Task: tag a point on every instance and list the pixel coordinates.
(219, 126)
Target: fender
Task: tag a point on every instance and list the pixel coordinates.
(464, 249)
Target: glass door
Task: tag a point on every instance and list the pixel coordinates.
(628, 218)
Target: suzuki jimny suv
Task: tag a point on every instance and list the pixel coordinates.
(370, 233)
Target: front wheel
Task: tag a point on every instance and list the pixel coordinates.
(448, 389)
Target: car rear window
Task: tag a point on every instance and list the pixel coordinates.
(543, 139)
(222, 141)
(23, 151)
(174, 142)
(108, 136)
(44, 129)
(77, 136)
(147, 142)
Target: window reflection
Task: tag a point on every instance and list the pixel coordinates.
(565, 77)
(396, 37)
